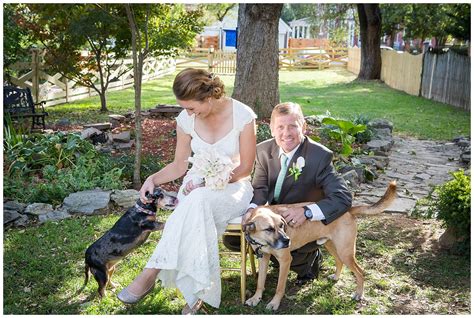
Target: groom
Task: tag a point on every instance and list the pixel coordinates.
(292, 168)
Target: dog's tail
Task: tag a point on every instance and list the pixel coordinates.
(379, 206)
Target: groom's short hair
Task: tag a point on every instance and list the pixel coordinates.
(287, 109)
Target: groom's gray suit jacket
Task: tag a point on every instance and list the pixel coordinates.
(318, 182)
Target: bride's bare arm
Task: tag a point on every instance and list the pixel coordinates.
(247, 147)
(175, 169)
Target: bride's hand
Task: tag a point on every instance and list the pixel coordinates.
(147, 187)
(190, 186)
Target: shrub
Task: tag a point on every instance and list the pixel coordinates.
(341, 134)
(47, 168)
(263, 132)
(453, 205)
(61, 150)
(366, 135)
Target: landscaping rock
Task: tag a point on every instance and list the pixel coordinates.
(56, 215)
(380, 123)
(382, 134)
(38, 209)
(380, 147)
(465, 156)
(351, 177)
(14, 205)
(379, 162)
(23, 221)
(10, 216)
(123, 137)
(124, 146)
(100, 126)
(89, 132)
(462, 141)
(90, 202)
(125, 198)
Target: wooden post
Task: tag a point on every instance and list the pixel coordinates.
(210, 57)
(35, 68)
(66, 88)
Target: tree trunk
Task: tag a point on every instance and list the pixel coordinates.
(256, 78)
(138, 73)
(137, 57)
(103, 102)
(370, 21)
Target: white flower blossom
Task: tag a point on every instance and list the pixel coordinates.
(213, 167)
(300, 163)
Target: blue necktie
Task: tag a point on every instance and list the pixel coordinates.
(281, 176)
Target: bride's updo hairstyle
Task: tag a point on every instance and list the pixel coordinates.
(195, 84)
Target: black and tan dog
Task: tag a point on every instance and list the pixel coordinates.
(130, 231)
(269, 234)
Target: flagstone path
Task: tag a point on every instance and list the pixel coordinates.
(416, 165)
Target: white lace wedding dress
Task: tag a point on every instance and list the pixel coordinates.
(187, 253)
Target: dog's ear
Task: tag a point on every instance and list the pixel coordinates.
(248, 227)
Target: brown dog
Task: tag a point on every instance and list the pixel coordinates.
(269, 234)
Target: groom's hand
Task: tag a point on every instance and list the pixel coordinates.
(294, 216)
(246, 216)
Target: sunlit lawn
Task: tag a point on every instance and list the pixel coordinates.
(332, 90)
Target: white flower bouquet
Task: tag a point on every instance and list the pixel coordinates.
(213, 167)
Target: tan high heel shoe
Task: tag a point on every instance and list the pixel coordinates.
(192, 311)
(127, 297)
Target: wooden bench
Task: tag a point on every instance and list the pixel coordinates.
(18, 103)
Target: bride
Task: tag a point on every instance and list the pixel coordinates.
(187, 256)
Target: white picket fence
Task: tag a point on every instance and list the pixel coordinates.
(57, 89)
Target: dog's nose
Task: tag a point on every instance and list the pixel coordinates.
(285, 241)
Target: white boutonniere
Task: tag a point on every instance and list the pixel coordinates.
(297, 167)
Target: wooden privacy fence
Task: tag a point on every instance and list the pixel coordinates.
(312, 57)
(353, 63)
(402, 71)
(442, 77)
(56, 89)
(447, 79)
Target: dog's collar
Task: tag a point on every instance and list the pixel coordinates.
(140, 209)
(251, 241)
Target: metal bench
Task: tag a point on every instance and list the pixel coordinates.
(18, 103)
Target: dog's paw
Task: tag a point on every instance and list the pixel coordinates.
(273, 305)
(253, 301)
(113, 285)
(356, 297)
(333, 277)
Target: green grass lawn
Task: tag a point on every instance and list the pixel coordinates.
(332, 90)
(405, 274)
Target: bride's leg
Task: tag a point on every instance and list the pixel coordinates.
(140, 287)
(143, 281)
